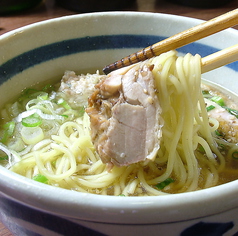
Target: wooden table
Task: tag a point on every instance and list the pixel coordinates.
(49, 9)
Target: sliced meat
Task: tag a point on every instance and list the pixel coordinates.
(125, 116)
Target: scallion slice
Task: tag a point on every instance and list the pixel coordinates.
(232, 111)
(32, 135)
(33, 120)
(65, 116)
(40, 178)
(4, 158)
(205, 92)
(218, 100)
(43, 96)
(63, 103)
(201, 148)
(165, 183)
(81, 111)
(8, 131)
(48, 88)
(28, 92)
(235, 155)
(218, 133)
(211, 107)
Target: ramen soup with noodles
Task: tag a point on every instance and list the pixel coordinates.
(148, 129)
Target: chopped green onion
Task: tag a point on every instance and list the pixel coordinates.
(28, 92)
(43, 96)
(211, 107)
(5, 158)
(121, 195)
(33, 93)
(49, 88)
(53, 163)
(65, 116)
(81, 111)
(40, 178)
(33, 120)
(63, 103)
(232, 111)
(32, 135)
(218, 133)
(15, 109)
(222, 146)
(165, 183)
(235, 155)
(9, 126)
(201, 149)
(8, 131)
(218, 100)
(205, 92)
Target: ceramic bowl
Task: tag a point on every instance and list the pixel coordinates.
(84, 42)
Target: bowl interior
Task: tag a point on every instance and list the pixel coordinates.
(41, 52)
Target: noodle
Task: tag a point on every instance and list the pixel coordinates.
(67, 158)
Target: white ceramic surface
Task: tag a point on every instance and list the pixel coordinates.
(43, 51)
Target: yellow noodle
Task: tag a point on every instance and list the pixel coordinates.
(96, 168)
(61, 139)
(214, 124)
(146, 186)
(123, 178)
(91, 155)
(132, 186)
(206, 148)
(57, 176)
(73, 185)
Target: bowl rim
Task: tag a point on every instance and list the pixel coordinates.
(85, 206)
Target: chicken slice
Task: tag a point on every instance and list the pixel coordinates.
(125, 116)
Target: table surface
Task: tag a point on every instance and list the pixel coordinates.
(48, 9)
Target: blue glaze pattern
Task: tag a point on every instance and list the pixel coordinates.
(68, 47)
(208, 229)
(51, 224)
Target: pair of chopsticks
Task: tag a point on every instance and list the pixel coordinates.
(200, 31)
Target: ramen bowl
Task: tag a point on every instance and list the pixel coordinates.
(83, 43)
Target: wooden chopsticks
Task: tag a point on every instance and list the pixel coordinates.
(200, 31)
(220, 58)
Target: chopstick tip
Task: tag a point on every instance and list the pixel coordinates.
(107, 69)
